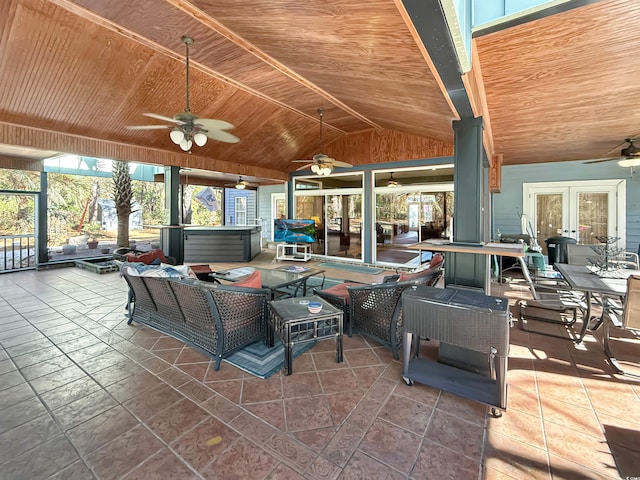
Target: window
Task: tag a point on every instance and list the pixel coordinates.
(241, 210)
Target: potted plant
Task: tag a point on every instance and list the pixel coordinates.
(92, 243)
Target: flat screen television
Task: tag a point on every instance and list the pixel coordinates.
(294, 231)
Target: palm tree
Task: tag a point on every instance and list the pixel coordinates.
(122, 194)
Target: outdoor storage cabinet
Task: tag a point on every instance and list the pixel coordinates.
(467, 319)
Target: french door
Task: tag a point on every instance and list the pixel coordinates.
(581, 210)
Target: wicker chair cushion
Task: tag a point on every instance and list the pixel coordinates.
(252, 281)
(436, 261)
(340, 290)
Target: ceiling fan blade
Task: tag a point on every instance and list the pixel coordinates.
(305, 167)
(338, 163)
(321, 157)
(300, 161)
(222, 136)
(600, 160)
(163, 118)
(147, 127)
(213, 124)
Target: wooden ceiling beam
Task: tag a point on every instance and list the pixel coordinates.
(475, 90)
(12, 134)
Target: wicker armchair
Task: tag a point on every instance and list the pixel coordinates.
(338, 296)
(376, 311)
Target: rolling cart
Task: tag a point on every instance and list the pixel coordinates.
(472, 322)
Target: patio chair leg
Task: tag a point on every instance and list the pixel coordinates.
(217, 365)
(130, 308)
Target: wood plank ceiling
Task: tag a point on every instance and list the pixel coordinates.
(75, 73)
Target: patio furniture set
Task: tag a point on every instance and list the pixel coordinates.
(258, 303)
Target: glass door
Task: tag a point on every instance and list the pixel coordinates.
(407, 217)
(580, 210)
(313, 207)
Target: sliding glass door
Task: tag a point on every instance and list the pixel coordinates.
(335, 203)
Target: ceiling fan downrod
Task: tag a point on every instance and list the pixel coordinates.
(188, 41)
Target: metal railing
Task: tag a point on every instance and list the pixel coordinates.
(18, 252)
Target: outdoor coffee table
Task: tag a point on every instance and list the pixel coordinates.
(280, 281)
(291, 320)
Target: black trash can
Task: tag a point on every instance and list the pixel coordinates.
(557, 248)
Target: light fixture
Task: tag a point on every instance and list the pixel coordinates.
(240, 184)
(630, 162)
(315, 168)
(200, 139)
(176, 135)
(186, 144)
(392, 183)
(324, 170)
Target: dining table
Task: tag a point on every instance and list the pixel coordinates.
(610, 285)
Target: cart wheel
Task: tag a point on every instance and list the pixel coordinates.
(408, 381)
(496, 412)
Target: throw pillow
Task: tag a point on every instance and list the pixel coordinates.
(340, 290)
(252, 281)
(148, 257)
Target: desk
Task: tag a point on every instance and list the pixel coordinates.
(276, 280)
(581, 278)
(515, 250)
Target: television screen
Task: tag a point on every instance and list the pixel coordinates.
(294, 231)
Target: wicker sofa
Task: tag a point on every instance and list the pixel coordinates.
(217, 319)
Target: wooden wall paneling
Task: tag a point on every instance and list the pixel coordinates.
(15, 163)
(382, 146)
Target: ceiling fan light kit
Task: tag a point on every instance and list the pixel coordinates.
(630, 162)
(322, 170)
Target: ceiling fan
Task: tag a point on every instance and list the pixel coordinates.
(187, 128)
(240, 184)
(629, 156)
(322, 164)
(392, 182)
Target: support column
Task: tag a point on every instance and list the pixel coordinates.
(469, 214)
(42, 210)
(173, 233)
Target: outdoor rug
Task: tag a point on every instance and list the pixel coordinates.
(352, 268)
(261, 361)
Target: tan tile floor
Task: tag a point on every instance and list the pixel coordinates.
(83, 395)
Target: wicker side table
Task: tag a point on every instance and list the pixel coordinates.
(291, 320)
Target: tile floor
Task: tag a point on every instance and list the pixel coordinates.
(83, 395)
